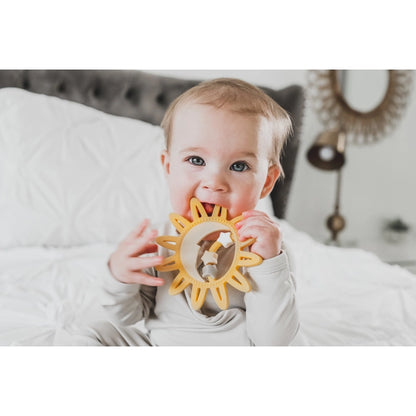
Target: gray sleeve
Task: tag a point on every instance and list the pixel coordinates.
(126, 303)
(271, 313)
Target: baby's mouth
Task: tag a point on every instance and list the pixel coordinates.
(209, 208)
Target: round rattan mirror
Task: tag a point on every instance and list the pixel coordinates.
(335, 111)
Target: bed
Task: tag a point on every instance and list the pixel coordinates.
(72, 145)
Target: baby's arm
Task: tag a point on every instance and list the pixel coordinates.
(129, 288)
(271, 313)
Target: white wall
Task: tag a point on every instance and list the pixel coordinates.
(378, 180)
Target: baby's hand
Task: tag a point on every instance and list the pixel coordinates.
(258, 225)
(126, 265)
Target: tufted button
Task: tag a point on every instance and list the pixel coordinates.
(132, 95)
(161, 99)
(61, 88)
(97, 91)
(26, 84)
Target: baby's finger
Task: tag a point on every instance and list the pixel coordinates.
(258, 227)
(254, 213)
(150, 248)
(138, 231)
(251, 231)
(247, 232)
(145, 279)
(253, 222)
(141, 244)
(249, 215)
(140, 263)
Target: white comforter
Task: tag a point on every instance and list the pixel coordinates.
(345, 296)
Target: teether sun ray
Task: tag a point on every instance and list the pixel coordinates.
(186, 247)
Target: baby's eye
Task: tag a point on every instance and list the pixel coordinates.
(196, 160)
(239, 166)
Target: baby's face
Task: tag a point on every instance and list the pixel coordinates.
(219, 157)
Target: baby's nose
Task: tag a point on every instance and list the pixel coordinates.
(215, 183)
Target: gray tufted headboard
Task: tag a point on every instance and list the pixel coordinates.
(144, 96)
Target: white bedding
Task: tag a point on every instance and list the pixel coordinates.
(345, 296)
(350, 297)
(49, 294)
(74, 181)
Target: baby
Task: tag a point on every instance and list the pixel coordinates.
(223, 143)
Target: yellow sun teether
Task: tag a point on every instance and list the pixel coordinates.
(186, 247)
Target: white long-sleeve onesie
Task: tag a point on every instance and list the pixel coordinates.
(266, 315)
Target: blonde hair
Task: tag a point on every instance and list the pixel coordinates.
(238, 96)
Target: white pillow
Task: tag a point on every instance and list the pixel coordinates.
(73, 175)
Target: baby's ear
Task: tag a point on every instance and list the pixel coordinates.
(164, 158)
(272, 175)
